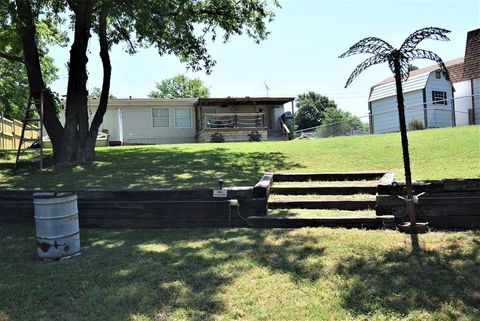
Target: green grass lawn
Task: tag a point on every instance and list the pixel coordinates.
(243, 274)
(248, 274)
(435, 154)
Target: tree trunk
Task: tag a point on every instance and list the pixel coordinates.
(74, 142)
(403, 133)
(26, 23)
(107, 71)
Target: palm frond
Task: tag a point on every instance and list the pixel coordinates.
(404, 71)
(425, 33)
(426, 54)
(378, 59)
(370, 45)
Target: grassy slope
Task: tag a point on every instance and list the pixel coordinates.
(435, 154)
(248, 274)
(243, 274)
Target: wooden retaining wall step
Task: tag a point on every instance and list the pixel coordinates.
(353, 176)
(350, 205)
(299, 222)
(324, 190)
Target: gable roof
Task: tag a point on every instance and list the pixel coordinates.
(387, 89)
(471, 68)
(452, 66)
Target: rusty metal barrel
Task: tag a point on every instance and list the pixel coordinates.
(56, 224)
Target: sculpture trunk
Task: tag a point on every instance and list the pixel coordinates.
(403, 133)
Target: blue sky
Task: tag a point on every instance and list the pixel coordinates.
(300, 54)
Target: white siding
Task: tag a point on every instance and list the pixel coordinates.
(137, 120)
(463, 102)
(138, 127)
(476, 93)
(110, 122)
(385, 112)
(439, 115)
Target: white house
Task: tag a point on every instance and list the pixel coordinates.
(429, 97)
(189, 120)
(466, 80)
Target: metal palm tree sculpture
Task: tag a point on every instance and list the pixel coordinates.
(399, 60)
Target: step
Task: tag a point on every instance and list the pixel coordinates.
(324, 190)
(302, 212)
(28, 149)
(352, 176)
(29, 160)
(299, 222)
(350, 205)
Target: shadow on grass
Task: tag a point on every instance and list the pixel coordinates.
(185, 274)
(157, 274)
(153, 167)
(402, 281)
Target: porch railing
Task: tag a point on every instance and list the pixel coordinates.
(234, 120)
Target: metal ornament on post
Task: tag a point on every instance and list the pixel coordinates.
(399, 61)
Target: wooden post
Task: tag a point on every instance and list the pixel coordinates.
(41, 129)
(235, 120)
(13, 135)
(2, 135)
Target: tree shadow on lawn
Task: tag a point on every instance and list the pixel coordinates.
(157, 274)
(402, 281)
(143, 168)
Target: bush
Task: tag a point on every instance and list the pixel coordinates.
(255, 136)
(217, 138)
(415, 124)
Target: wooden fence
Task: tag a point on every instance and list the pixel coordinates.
(10, 132)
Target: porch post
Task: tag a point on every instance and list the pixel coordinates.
(293, 112)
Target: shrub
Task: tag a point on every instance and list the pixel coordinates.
(217, 138)
(255, 136)
(415, 124)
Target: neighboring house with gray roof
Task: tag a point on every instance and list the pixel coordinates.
(429, 96)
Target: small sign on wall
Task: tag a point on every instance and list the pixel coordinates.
(220, 193)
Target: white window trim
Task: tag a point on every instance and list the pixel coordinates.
(443, 100)
(175, 117)
(153, 125)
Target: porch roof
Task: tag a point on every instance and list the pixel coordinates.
(227, 101)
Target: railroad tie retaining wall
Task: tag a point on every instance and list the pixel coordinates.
(449, 203)
(159, 208)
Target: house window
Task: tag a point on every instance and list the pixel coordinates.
(161, 117)
(439, 97)
(438, 74)
(183, 118)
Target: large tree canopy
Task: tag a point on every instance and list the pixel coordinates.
(14, 88)
(337, 122)
(180, 87)
(178, 27)
(311, 107)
